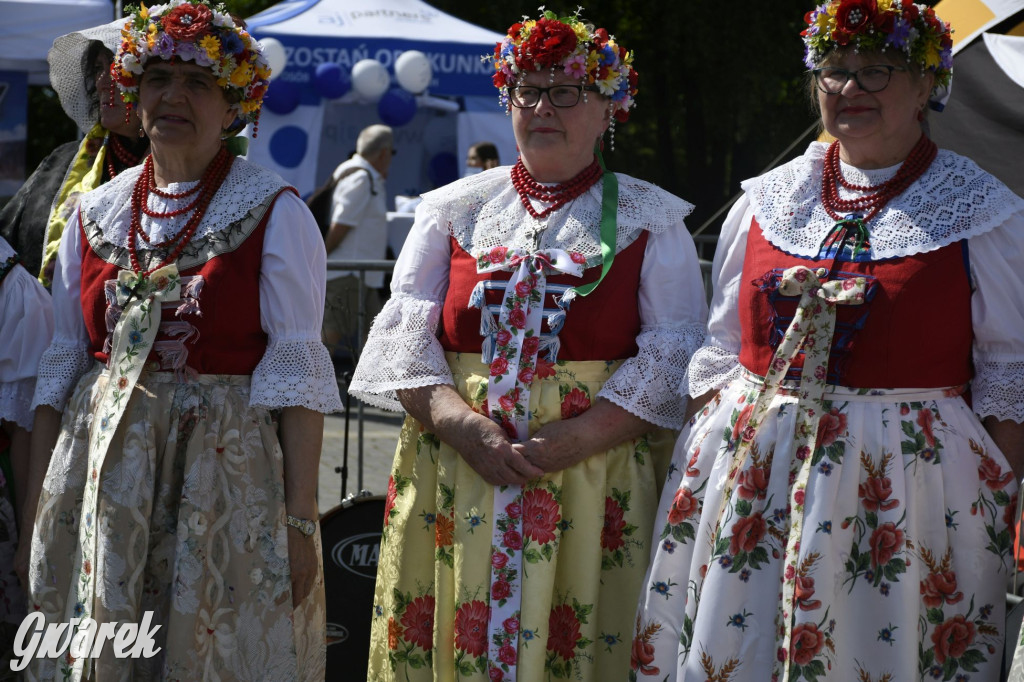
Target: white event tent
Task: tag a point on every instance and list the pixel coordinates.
(458, 108)
(30, 26)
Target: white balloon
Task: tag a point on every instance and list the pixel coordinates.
(273, 52)
(413, 71)
(370, 79)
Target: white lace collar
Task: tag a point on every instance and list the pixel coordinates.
(954, 199)
(244, 189)
(484, 210)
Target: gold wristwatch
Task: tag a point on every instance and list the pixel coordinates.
(304, 526)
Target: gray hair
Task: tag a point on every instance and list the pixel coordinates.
(373, 139)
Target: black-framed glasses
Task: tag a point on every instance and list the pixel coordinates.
(832, 80)
(562, 96)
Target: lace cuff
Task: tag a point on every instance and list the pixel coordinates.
(294, 373)
(16, 402)
(711, 368)
(60, 368)
(647, 384)
(402, 352)
(998, 388)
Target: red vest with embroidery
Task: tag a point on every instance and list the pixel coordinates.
(214, 328)
(601, 326)
(914, 330)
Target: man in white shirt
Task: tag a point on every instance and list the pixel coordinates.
(359, 231)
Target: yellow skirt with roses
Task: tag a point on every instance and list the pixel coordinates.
(586, 544)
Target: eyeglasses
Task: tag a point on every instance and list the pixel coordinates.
(868, 78)
(562, 96)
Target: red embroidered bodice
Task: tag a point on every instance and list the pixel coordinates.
(215, 327)
(914, 330)
(611, 308)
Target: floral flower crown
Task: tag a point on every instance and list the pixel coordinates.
(194, 32)
(880, 25)
(578, 48)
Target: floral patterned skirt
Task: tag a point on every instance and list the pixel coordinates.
(902, 563)
(585, 548)
(191, 523)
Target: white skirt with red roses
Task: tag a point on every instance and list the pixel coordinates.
(902, 561)
(585, 541)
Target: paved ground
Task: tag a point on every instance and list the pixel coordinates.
(380, 436)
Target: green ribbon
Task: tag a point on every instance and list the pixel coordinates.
(609, 216)
(844, 232)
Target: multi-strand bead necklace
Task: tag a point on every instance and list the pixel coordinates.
(557, 195)
(204, 190)
(877, 196)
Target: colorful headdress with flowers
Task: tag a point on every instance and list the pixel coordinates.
(879, 26)
(193, 32)
(572, 45)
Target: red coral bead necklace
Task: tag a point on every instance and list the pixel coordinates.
(213, 178)
(557, 195)
(877, 196)
(116, 148)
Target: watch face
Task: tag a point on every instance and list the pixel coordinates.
(304, 526)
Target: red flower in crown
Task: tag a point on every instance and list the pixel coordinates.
(187, 23)
(550, 42)
(855, 16)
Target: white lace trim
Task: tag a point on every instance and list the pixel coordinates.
(647, 384)
(997, 389)
(402, 352)
(60, 367)
(711, 368)
(245, 188)
(16, 402)
(484, 211)
(953, 200)
(295, 373)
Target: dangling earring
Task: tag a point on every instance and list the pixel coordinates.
(611, 134)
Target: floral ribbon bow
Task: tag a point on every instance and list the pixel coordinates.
(811, 330)
(517, 340)
(140, 297)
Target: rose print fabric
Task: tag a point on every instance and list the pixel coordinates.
(583, 536)
(511, 376)
(905, 534)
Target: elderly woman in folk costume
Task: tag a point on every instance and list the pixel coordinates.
(524, 486)
(34, 219)
(188, 365)
(841, 507)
